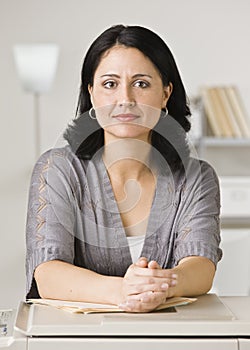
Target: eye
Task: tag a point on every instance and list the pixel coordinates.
(109, 84)
(141, 84)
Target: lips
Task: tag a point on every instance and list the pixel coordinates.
(126, 117)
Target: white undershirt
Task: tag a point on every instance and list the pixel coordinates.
(135, 245)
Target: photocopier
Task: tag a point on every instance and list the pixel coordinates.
(210, 323)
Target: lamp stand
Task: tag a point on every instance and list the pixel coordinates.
(37, 125)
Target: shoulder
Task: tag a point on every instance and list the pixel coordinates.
(57, 156)
(200, 177)
(61, 162)
(58, 172)
(201, 168)
(193, 174)
(64, 153)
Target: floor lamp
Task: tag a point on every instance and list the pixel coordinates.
(36, 67)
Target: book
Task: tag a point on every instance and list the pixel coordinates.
(210, 112)
(225, 112)
(90, 308)
(238, 110)
(228, 112)
(220, 112)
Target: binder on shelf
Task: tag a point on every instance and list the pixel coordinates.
(225, 113)
(238, 109)
(226, 130)
(211, 113)
(229, 113)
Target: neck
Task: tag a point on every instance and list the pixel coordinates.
(127, 158)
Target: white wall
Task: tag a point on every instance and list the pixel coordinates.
(210, 40)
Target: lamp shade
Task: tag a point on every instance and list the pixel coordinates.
(36, 66)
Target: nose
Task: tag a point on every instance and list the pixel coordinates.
(127, 104)
(126, 97)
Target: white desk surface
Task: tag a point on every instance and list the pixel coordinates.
(208, 316)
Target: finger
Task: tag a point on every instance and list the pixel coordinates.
(133, 306)
(149, 297)
(142, 262)
(155, 272)
(143, 303)
(154, 265)
(136, 306)
(146, 285)
(135, 280)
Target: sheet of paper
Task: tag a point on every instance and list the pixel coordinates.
(86, 308)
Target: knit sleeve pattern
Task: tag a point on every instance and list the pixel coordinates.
(54, 197)
(198, 229)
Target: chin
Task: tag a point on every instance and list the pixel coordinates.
(128, 131)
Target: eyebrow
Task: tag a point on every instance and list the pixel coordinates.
(138, 75)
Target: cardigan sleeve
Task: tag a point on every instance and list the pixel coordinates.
(198, 229)
(52, 205)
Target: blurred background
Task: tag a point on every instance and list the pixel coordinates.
(210, 41)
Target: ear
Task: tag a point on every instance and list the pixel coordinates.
(90, 90)
(167, 90)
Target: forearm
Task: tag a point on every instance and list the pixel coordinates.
(195, 276)
(59, 280)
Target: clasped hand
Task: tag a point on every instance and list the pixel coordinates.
(145, 286)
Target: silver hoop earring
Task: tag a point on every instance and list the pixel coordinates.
(90, 113)
(166, 113)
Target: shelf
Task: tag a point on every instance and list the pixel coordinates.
(221, 142)
(215, 141)
(235, 223)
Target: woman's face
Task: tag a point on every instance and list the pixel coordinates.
(127, 94)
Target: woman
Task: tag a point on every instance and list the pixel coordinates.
(122, 214)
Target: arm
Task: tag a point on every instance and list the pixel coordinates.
(60, 280)
(52, 205)
(195, 276)
(144, 287)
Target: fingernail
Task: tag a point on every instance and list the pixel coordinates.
(174, 275)
(173, 283)
(164, 286)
